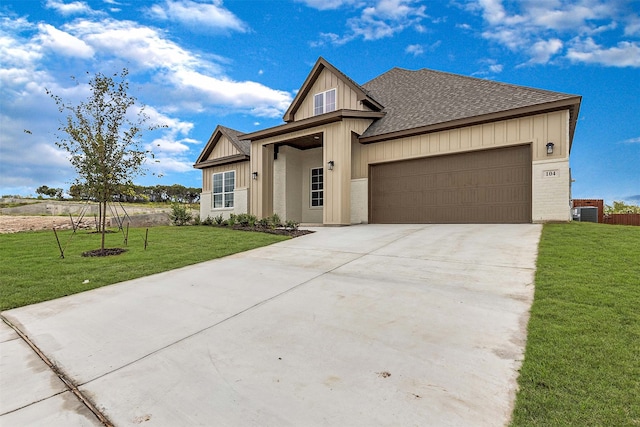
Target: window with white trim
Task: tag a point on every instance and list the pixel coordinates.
(224, 184)
(324, 102)
(317, 187)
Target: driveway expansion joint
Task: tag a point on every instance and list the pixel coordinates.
(68, 383)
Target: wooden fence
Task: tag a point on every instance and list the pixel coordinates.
(622, 219)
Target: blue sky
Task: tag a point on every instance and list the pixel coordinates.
(196, 64)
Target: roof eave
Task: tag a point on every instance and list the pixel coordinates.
(311, 122)
(573, 102)
(221, 161)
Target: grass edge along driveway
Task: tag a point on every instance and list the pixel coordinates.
(32, 271)
(582, 359)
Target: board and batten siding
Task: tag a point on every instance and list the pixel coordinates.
(223, 148)
(537, 130)
(346, 98)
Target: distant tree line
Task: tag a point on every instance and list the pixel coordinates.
(144, 194)
(621, 208)
(43, 190)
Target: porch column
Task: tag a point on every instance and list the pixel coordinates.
(337, 182)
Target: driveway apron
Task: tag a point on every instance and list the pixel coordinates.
(362, 325)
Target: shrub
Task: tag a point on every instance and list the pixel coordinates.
(264, 222)
(232, 220)
(291, 225)
(180, 215)
(207, 221)
(274, 221)
(246, 220)
(218, 220)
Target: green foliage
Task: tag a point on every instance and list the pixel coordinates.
(207, 221)
(219, 219)
(581, 364)
(32, 270)
(180, 215)
(291, 225)
(246, 220)
(50, 192)
(231, 221)
(621, 207)
(274, 221)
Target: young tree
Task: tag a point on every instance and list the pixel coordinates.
(102, 141)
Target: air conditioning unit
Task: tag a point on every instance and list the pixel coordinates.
(585, 214)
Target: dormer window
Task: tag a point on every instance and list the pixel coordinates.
(324, 102)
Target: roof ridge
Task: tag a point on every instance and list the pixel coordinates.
(470, 78)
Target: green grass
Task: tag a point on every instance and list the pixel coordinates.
(32, 271)
(582, 360)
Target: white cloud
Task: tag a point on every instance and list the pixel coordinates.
(377, 20)
(415, 49)
(128, 40)
(543, 50)
(633, 26)
(327, 4)
(63, 43)
(259, 99)
(198, 15)
(632, 140)
(73, 8)
(625, 54)
(542, 28)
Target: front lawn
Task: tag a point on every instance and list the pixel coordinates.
(32, 271)
(582, 361)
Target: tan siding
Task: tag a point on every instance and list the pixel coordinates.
(346, 98)
(242, 175)
(223, 148)
(538, 130)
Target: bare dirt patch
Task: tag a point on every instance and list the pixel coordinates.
(15, 224)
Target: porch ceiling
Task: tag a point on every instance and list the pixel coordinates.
(304, 142)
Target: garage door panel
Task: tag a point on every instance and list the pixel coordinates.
(492, 186)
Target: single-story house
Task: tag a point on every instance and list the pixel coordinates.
(406, 147)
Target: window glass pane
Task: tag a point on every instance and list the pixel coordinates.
(217, 200)
(217, 183)
(229, 181)
(330, 101)
(317, 194)
(228, 200)
(318, 104)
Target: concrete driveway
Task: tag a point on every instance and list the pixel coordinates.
(363, 325)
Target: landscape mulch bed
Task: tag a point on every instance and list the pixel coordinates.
(278, 231)
(104, 252)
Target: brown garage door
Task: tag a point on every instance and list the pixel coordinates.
(489, 186)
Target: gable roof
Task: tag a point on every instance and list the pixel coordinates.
(415, 101)
(320, 65)
(234, 136)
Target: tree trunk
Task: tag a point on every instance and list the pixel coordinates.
(104, 221)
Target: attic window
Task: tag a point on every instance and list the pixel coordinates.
(324, 102)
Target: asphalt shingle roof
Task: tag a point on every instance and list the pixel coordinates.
(414, 99)
(243, 145)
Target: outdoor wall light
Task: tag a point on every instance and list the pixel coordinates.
(549, 148)
(254, 175)
(330, 165)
